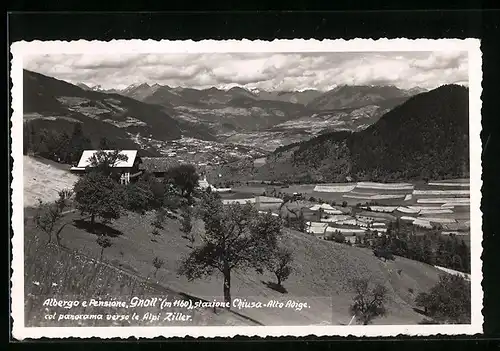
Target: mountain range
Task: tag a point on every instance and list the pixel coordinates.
(267, 119)
(424, 137)
(55, 104)
(272, 118)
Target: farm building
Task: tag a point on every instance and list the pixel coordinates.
(158, 166)
(319, 211)
(127, 169)
(316, 228)
(268, 200)
(324, 207)
(336, 218)
(272, 213)
(384, 209)
(375, 216)
(204, 184)
(238, 201)
(346, 231)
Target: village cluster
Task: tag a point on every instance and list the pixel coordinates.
(202, 153)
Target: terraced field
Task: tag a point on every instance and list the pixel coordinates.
(444, 202)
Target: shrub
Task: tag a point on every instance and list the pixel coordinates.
(383, 253)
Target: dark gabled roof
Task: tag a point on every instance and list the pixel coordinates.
(157, 164)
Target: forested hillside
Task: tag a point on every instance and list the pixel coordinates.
(425, 137)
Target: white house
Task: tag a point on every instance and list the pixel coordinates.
(316, 228)
(204, 184)
(128, 168)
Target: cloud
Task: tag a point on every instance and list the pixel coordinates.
(269, 71)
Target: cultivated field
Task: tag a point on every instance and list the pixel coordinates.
(445, 202)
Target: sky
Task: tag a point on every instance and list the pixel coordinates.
(264, 71)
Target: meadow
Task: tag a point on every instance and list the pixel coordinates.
(127, 270)
(322, 271)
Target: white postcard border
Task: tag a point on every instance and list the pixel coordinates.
(22, 49)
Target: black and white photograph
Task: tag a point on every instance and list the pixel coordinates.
(292, 187)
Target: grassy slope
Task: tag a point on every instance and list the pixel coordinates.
(43, 179)
(53, 271)
(323, 270)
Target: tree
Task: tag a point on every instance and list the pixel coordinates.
(160, 215)
(137, 197)
(48, 215)
(358, 240)
(280, 264)
(235, 237)
(463, 252)
(98, 196)
(78, 143)
(157, 264)
(448, 301)
(369, 302)
(185, 178)
(106, 144)
(104, 161)
(46, 218)
(156, 188)
(104, 242)
(301, 223)
(187, 226)
(338, 237)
